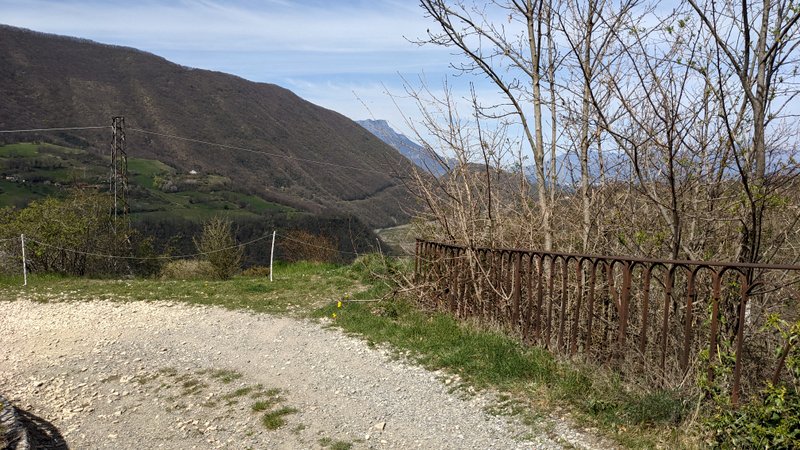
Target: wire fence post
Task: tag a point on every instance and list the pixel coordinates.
(24, 263)
(271, 254)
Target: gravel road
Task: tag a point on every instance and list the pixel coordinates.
(138, 375)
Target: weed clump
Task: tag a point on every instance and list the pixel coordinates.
(256, 272)
(187, 269)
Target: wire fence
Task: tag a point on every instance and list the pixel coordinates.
(12, 259)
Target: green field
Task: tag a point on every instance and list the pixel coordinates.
(24, 150)
(142, 171)
(15, 195)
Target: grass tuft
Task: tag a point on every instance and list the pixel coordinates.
(263, 405)
(334, 445)
(241, 392)
(225, 375)
(276, 419)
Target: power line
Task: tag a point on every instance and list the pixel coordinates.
(213, 144)
(260, 152)
(31, 130)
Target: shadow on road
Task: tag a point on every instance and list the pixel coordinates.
(41, 433)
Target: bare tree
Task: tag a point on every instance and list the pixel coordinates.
(587, 27)
(516, 61)
(754, 79)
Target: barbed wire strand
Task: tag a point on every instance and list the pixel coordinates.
(145, 258)
(307, 244)
(33, 130)
(189, 255)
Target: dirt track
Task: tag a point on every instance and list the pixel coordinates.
(156, 375)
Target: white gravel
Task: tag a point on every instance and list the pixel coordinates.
(140, 375)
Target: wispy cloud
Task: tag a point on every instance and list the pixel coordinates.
(337, 27)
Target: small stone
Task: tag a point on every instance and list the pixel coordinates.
(380, 426)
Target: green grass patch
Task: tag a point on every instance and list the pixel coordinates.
(268, 393)
(200, 198)
(438, 341)
(297, 289)
(20, 195)
(192, 386)
(272, 399)
(143, 171)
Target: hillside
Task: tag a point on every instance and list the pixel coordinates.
(53, 81)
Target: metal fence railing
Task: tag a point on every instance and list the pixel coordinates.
(667, 319)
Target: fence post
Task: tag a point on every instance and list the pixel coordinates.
(24, 263)
(271, 255)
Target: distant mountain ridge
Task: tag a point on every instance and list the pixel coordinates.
(416, 153)
(568, 168)
(316, 160)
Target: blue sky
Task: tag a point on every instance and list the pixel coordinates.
(341, 54)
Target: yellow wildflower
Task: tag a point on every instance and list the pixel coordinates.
(334, 315)
(339, 305)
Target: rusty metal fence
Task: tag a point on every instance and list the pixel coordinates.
(666, 319)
